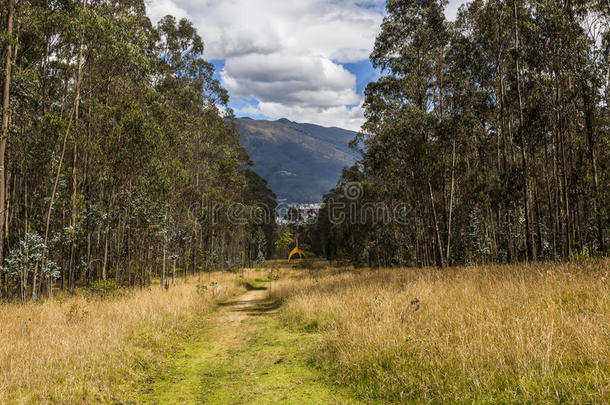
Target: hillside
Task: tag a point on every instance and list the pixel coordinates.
(301, 162)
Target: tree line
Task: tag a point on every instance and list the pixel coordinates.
(117, 160)
(493, 131)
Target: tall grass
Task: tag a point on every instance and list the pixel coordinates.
(494, 334)
(83, 349)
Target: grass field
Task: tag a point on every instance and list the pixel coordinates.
(84, 349)
(244, 356)
(535, 333)
(492, 334)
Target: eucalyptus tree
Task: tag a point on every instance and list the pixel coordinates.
(493, 129)
(115, 143)
(404, 110)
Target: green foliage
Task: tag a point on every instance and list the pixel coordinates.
(490, 135)
(28, 259)
(260, 259)
(261, 199)
(156, 164)
(285, 240)
(211, 261)
(211, 287)
(106, 288)
(260, 242)
(234, 265)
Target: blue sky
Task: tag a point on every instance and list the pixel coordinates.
(302, 60)
(364, 72)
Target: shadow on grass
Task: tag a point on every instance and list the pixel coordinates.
(265, 307)
(253, 308)
(252, 287)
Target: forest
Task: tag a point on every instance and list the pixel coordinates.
(118, 162)
(487, 139)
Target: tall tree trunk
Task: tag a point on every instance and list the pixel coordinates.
(549, 197)
(564, 195)
(174, 272)
(87, 187)
(439, 244)
(531, 253)
(5, 115)
(105, 265)
(73, 224)
(559, 220)
(451, 203)
(163, 265)
(590, 126)
(60, 164)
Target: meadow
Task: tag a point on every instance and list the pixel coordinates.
(90, 349)
(536, 333)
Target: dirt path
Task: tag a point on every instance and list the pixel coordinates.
(245, 357)
(243, 307)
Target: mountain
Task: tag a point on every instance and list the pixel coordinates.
(301, 162)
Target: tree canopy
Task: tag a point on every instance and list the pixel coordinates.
(492, 132)
(117, 149)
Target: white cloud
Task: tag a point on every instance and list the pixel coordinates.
(452, 9)
(157, 9)
(287, 54)
(300, 80)
(343, 30)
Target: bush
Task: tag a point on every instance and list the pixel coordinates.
(107, 288)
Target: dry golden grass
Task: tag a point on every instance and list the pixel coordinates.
(84, 349)
(492, 334)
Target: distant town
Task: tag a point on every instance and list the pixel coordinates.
(297, 214)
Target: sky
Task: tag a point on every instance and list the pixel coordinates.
(305, 60)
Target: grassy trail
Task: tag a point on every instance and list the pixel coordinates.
(244, 356)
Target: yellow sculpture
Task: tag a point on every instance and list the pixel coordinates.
(295, 251)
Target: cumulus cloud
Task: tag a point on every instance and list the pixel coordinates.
(299, 80)
(342, 30)
(157, 9)
(287, 54)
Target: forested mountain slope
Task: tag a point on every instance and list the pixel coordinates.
(301, 162)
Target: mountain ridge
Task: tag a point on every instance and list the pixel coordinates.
(301, 161)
